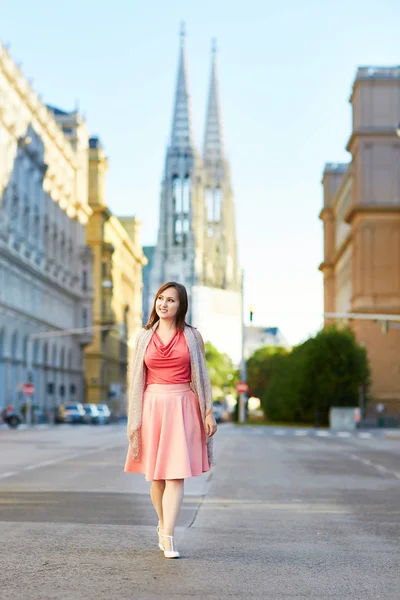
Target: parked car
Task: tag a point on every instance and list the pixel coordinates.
(104, 413)
(221, 412)
(11, 416)
(92, 414)
(70, 413)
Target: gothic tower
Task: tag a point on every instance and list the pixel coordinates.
(221, 269)
(177, 256)
(196, 242)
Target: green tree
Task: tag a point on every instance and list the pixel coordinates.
(223, 374)
(260, 367)
(322, 372)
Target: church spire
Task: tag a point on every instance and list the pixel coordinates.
(181, 134)
(213, 150)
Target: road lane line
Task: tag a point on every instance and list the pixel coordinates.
(364, 435)
(279, 431)
(301, 432)
(376, 466)
(54, 461)
(8, 474)
(343, 434)
(323, 434)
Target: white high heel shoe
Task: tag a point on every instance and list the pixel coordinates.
(173, 553)
(159, 535)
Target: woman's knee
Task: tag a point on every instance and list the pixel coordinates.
(175, 482)
(159, 482)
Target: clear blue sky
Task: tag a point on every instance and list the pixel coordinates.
(286, 71)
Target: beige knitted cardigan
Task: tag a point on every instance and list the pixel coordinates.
(200, 384)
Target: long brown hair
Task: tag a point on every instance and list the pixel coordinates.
(180, 321)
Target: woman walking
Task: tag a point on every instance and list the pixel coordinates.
(170, 411)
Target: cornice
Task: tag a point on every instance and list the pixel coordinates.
(369, 132)
(18, 81)
(326, 267)
(370, 209)
(13, 257)
(326, 212)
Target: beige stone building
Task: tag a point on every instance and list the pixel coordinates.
(43, 254)
(361, 218)
(118, 260)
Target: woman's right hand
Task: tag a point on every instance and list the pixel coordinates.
(211, 425)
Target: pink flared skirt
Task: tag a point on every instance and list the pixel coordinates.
(173, 440)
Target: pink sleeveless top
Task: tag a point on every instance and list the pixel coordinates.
(168, 363)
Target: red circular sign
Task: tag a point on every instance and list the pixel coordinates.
(28, 389)
(242, 387)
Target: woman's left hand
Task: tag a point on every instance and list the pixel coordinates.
(211, 425)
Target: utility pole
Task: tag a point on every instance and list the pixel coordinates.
(242, 395)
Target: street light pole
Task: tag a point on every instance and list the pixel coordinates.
(242, 395)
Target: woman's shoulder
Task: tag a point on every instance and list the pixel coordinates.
(197, 334)
(142, 333)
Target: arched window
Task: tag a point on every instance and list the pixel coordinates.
(15, 205)
(62, 247)
(186, 195)
(35, 357)
(36, 223)
(209, 204)
(2, 343)
(26, 228)
(217, 204)
(176, 186)
(25, 350)
(14, 346)
(45, 354)
(62, 359)
(54, 356)
(55, 244)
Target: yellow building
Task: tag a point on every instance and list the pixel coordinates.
(118, 260)
(361, 217)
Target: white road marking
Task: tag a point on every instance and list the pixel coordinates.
(8, 474)
(381, 468)
(301, 432)
(343, 434)
(376, 466)
(323, 434)
(364, 435)
(279, 431)
(46, 463)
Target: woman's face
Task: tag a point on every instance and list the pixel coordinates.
(167, 304)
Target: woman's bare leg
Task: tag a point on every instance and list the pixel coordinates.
(156, 493)
(171, 504)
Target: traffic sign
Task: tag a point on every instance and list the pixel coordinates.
(28, 389)
(242, 387)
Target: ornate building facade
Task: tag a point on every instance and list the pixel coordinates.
(196, 242)
(45, 265)
(118, 260)
(361, 218)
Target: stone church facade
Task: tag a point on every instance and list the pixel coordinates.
(196, 242)
(361, 218)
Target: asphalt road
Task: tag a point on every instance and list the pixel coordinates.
(282, 516)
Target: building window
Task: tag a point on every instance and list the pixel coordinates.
(217, 204)
(210, 205)
(84, 317)
(84, 281)
(181, 192)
